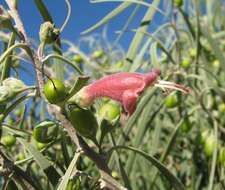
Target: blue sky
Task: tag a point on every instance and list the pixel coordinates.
(84, 15)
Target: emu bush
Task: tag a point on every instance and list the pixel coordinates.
(100, 117)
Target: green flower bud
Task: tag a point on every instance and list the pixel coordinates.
(48, 33)
(14, 85)
(210, 145)
(10, 88)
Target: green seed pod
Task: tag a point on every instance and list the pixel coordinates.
(216, 64)
(171, 101)
(77, 58)
(186, 62)
(45, 131)
(109, 111)
(221, 157)
(8, 140)
(84, 122)
(55, 91)
(203, 136)
(21, 156)
(193, 52)
(39, 145)
(210, 145)
(98, 54)
(222, 108)
(48, 33)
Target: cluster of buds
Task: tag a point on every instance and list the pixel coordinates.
(124, 88)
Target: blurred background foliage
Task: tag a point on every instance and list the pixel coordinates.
(171, 141)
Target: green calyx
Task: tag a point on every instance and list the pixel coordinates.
(84, 122)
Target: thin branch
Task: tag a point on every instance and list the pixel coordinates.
(15, 15)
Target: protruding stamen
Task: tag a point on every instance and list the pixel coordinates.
(171, 85)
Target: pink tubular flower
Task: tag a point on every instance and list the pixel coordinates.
(124, 88)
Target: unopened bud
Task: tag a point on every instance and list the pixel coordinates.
(48, 33)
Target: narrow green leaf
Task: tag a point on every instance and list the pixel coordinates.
(214, 44)
(139, 58)
(175, 182)
(132, 120)
(43, 10)
(134, 46)
(153, 54)
(71, 169)
(142, 127)
(108, 17)
(7, 62)
(44, 164)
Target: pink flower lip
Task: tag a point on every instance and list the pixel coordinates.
(124, 88)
